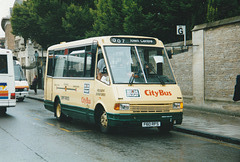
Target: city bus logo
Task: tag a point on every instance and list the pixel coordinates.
(157, 93)
(86, 100)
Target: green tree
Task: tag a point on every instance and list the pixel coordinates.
(212, 11)
(50, 14)
(221, 9)
(24, 20)
(89, 3)
(51, 21)
(40, 21)
(108, 18)
(77, 21)
(198, 12)
(135, 21)
(164, 15)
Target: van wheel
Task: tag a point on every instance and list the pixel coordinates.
(3, 111)
(103, 122)
(20, 99)
(58, 111)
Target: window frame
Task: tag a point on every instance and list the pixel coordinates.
(86, 75)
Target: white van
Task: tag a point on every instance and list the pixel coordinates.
(7, 82)
(21, 84)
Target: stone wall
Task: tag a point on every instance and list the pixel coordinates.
(184, 73)
(222, 61)
(207, 72)
(182, 66)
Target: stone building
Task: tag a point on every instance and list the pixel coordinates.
(24, 50)
(9, 37)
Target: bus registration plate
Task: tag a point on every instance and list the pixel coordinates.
(151, 124)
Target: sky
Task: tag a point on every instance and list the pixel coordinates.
(5, 12)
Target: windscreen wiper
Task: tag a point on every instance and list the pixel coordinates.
(160, 80)
(131, 79)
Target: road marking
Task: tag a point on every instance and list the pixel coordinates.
(66, 130)
(50, 124)
(63, 129)
(82, 131)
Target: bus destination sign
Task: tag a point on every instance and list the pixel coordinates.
(122, 40)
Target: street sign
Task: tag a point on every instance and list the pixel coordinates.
(181, 29)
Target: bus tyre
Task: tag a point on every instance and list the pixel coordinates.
(58, 111)
(3, 111)
(103, 122)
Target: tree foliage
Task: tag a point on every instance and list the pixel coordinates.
(77, 22)
(51, 21)
(40, 21)
(108, 18)
(50, 14)
(136, 22)
(221, 9)
(23, 20)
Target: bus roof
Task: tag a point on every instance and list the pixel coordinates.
(109, 40)
(5, 51)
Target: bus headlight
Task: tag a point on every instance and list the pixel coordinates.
(119, 106)
(177, 105)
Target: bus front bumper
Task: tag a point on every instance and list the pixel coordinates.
(22, 94)
(128, 120)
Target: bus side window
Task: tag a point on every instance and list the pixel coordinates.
(50, 69)
(60, 67)
(80, 62)
(75, 65)
(89, 62)
(51, 63)
(88, 65)
(102, 73)
(3, 64)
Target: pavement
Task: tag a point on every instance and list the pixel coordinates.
(204, 123)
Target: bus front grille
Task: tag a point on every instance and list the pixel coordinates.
(151, 108)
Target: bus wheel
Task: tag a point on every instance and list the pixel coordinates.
(103, 122)
(58, 111)
(3, 111)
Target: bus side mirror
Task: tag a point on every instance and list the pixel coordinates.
(94, 47)
(169, 54)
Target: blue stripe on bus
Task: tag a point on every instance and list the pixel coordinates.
(3, 97)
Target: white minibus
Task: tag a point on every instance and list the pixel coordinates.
(21, 84)
(7, 85)
(113, 81)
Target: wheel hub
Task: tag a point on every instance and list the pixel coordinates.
(58, 111)
(104, 121)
